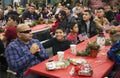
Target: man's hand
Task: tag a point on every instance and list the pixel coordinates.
(34, 48)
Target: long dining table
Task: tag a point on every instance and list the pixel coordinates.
(40, 27)
(101, 65)
(41, 31)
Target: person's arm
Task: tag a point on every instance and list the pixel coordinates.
(113, 51)
(43, 53)
(105, 21)
(48, 43)
(98, 24)
(15, 61)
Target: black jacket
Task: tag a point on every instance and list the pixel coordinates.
(57, 45)
(83, 28)
(2, 49)
(32, 16)
(11, 13)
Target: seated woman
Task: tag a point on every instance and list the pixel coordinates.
(59, 43)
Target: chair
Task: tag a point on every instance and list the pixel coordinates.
(10, 73)
(117, 74)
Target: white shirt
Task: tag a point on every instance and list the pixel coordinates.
(88, 27)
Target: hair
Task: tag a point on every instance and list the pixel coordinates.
(10, 5)
(108, 5)
(14, 18)
(43, 8)
(60, 28)
(115, 37)
(56, 17)
(33, 6)
(20, 26)
(100, 8)
(72, 24)
(68, 7)
(116, 4)
(89, 11)
(63, 13)
(28, 4)
(77, 4)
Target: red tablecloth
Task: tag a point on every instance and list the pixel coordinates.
(40, 27)
(101, 65)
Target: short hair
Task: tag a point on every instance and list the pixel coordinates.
(63, 13)
(56, 17)
(33, 6)
(71, 25)
(20, 26)
(77, 4)
(61, 28)
(115, 37)
(100, 8)
(14, 18)
(68, 7)
(89, 11)
(28, 4)
(10, 5)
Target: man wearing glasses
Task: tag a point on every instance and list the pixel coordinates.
(24, 52)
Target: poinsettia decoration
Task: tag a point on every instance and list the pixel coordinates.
(90, 47)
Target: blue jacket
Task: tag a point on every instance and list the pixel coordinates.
(114, 53)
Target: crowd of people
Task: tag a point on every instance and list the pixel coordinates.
(72, 25)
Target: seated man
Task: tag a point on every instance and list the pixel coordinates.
(114, 54)
(100, 20)
(30, 14)
(87, 25)
(24, 52)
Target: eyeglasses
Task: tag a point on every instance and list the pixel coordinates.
(26, 32)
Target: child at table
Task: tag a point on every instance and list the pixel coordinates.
(73, 33)
(58, 43)
(57, 22)
(114, 53)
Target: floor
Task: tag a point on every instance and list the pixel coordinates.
(4, 74)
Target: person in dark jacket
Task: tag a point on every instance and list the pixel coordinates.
(63, 19)
(114, 54)
(10, 12)
(3, 63)
(2, 49)
(59, 43)
(108, 13)
(87, 25)
(31, 14)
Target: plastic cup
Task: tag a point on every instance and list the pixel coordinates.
(60, 55)
(73, 48)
